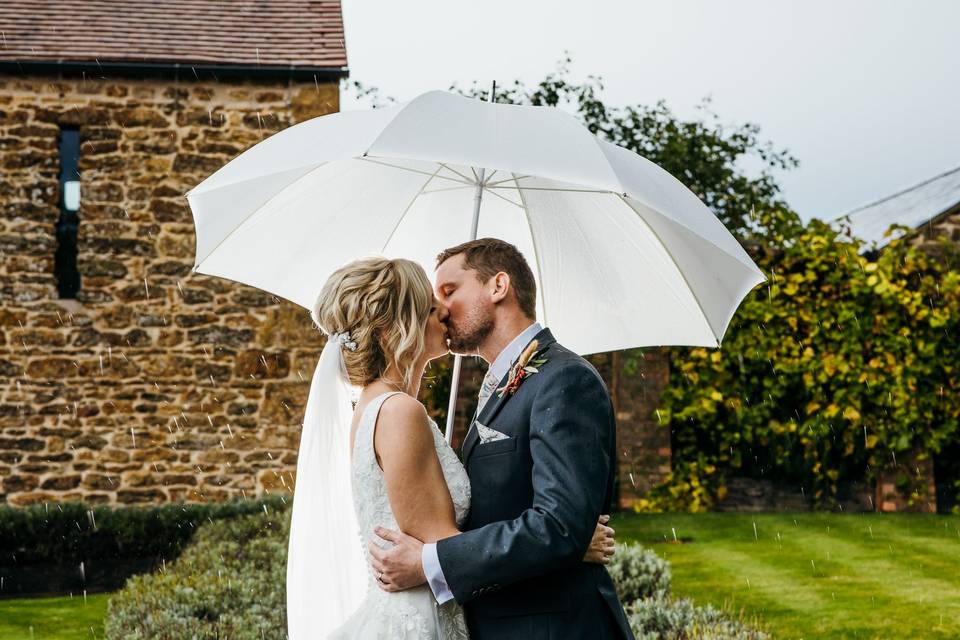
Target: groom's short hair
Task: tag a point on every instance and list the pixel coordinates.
(488, 257)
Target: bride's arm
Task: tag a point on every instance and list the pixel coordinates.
(403, 442)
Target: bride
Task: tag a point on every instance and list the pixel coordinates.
(382, 462)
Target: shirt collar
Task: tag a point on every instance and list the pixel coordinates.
(512, 351)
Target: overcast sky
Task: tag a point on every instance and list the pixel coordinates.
(865, 93)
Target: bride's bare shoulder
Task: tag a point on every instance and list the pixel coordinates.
(402, 412)
(402, 431)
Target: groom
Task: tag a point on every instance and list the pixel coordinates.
(539, 454)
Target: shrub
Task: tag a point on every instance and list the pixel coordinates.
(639, 573)
(663, 618)
(229, 582)
(74, 531)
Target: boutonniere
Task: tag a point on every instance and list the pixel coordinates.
(527, 364)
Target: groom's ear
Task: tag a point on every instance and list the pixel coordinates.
(499, 286)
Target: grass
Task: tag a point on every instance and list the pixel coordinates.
(801, 576)
(815, 575)
(68, 618)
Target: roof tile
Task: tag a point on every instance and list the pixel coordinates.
(298, 33)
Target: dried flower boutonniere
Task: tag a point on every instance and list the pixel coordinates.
(527, 364)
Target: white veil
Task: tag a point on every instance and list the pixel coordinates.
(326, 566)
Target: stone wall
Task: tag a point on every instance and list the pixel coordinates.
(155, 384)
(928, 236)
(636, 379)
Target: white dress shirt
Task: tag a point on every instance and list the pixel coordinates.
(499, 368)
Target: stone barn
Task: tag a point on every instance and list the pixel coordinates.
(124, 377)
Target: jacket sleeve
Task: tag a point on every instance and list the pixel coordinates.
(570, 428)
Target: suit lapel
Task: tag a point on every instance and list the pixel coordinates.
(496, 401)
(490, 409)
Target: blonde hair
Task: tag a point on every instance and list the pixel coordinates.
(384, 304)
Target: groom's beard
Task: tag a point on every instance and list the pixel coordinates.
(466, 339)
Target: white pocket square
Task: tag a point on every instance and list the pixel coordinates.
(489, 435)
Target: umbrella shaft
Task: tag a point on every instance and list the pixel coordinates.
(476, 205)
(455, 382)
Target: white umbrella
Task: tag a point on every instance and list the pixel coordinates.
(624, 254)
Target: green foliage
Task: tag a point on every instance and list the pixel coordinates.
(75, 531)
(836, 367)
(228, 583)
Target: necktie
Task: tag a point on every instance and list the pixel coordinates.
(486, 389)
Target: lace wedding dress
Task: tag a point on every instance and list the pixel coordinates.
(403, 615)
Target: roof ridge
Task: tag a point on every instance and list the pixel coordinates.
(901, 192)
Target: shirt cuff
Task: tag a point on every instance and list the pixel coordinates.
(431, 569)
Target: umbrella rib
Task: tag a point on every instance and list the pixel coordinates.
(408, 207)
(425, 173)
(452, 170)
(553, 189)
(463, 186)
(679, 270)
(493, 184)
(533, 239)
(494, 193)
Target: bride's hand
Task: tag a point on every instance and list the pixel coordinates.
(603, 544)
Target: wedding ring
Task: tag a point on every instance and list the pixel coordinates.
(380, 576)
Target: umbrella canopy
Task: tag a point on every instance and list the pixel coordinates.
(623, 253)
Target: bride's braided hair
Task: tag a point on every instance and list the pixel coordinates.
(384, 304)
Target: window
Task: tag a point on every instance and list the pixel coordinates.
(65, 261)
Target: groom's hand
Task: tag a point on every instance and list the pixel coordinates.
(400, 566)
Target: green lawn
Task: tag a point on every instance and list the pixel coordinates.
(53, 618)
(815, 575)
